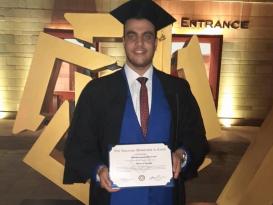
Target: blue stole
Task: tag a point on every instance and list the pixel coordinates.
(158, 132)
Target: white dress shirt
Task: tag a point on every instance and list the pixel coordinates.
(134, 87)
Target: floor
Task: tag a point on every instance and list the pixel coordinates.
(21, 185)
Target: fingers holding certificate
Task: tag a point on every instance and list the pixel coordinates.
(139, 165)
(104, 179)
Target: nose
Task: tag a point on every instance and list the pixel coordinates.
(139, 40)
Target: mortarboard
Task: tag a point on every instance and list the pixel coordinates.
(143, 9)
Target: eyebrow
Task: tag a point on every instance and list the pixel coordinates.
(150, 32)
(147, 32)
(131, 32)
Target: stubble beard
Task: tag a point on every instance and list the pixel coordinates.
(139, 67)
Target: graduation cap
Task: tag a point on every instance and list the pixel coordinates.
(143, 9)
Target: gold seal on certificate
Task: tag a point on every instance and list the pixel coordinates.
(138, 165)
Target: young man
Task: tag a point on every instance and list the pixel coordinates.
(135, 105)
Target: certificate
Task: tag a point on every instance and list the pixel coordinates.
(139, 165)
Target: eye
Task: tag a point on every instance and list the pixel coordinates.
(131, 36)
(148, 37)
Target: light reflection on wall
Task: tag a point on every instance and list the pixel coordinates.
(225, 109)
(3, 115)
(2, 107)
(2, 98)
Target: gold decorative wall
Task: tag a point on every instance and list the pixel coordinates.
(246, 81)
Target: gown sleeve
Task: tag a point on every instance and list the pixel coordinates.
(82, 150)
(191, 132)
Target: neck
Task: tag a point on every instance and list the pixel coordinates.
(139, 70)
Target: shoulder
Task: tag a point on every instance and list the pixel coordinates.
(110, 82)
(172, 82)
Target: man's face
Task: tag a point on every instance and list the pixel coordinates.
(140, 44)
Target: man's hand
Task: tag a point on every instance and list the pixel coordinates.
(177, 160)
(105, 180)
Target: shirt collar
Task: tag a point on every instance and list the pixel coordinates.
(131, 75)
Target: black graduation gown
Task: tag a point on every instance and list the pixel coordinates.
(97, 121)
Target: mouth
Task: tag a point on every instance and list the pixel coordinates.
(139, 51)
